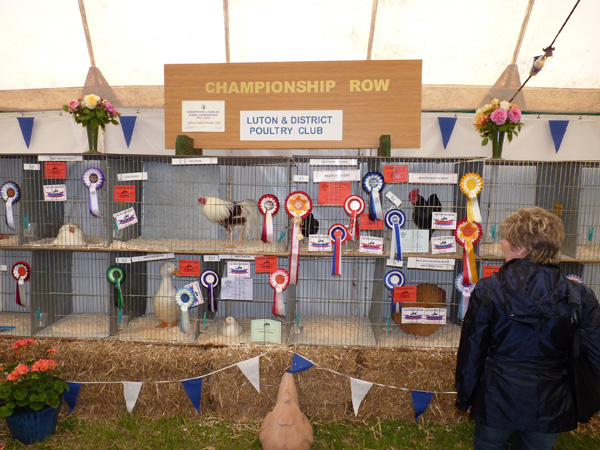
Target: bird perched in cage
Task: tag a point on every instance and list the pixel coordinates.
(230, 327)
(232, 215)
(163, 301)
(424, 209)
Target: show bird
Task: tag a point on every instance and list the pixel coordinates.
(230, 328)
(424, 209)
(163, 301)
(232, 215)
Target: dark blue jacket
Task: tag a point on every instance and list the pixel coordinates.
(513, 355)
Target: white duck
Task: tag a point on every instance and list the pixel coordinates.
(163, 302)
(230, 328)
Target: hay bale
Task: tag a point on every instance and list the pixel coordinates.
(428, 296)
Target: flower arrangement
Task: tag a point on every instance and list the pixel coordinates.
(92, 110)
(33, 383)
(498, 116)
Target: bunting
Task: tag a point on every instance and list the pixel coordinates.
(131, 390)
(70, 396)
(128, 124)
(446, 127)
(26, 125)
(420, 402)
(358, 389)
(193, 388)
(299, 364)
(250, 369)
(558, 128)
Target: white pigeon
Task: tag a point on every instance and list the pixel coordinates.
(230, 328)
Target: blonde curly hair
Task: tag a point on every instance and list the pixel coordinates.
(537, 230)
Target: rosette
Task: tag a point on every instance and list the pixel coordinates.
(210, 280)
(471, 185)
(279, 280)
(465, 290)
(116, 275)
(185, 299)
(268, 205)
(338, 234)
(392, 279)
(468, 234)
(354, 206)
(574, 277)
(21, 272)
(395, 219)
(10, 193)
(373, 183)
(298, 205)
(93, 179)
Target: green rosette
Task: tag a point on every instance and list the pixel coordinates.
(116, 275)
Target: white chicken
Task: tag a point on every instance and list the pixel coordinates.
(233, 214)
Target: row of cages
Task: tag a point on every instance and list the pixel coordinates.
(125, 296)
(185, 204)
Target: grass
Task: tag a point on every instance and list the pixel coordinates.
(130, 432)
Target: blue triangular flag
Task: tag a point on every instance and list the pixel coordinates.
(558, 129)
(194, 391)
(26, 124)
(446, 127)
(128, 124)
(420, 402)
(299, 364)
(71, 396)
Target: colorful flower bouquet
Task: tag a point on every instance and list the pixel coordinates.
(496, 119)
(93, 111)
(33, 383)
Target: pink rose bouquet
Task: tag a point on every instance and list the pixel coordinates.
(498, 116)
(92, 110)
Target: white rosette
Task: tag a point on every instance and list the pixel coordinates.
(10, 193)
(93, 179)
(185, 299)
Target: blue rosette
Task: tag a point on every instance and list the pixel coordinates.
(373, 184)
(210, 280)
(392, 279)
(395, 219)
(185, 299)
(93, 179)
(338, 234)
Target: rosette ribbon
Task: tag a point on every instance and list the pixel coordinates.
(116, 275)
(298, 206)
(468, 234)
(93, 179)
(268, 205)
(471, 185)
(185, 299)
(373, 183)
(465, 291)
(10, 193)
(354, 206)
(210, 280)
(21, 272)
(392, 279)
(395, 219)
(279, 280)
(338, 234)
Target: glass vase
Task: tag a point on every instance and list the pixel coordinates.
(92, 135)
(497, 143)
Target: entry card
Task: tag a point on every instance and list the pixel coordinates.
(414, 241)
(395, 174)
(265, 264)
(126, 218)
(319, 243)
(189, 267)
(236, 288)
(369, 244)
(238, 269)
(265, 330)
(55, 192)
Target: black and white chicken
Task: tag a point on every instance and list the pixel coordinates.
(232, 215)
(424, 209)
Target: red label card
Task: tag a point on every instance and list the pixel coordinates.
(334, 193)
(368, 224)
(265, 264)
(189, 268)
(395, 174)
(124, 194)
(55, 169)
(490, 270)
(405, 294)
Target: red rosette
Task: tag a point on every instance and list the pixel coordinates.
(468, 232)
(354, 205)
(298, 205)
(268, 202)
(21, 272)
(279, 280)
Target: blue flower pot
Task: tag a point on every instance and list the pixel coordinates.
(29, 426)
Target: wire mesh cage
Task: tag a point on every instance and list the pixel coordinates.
(108, 242)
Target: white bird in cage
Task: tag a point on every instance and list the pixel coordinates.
(232, 215)
(163, 303)
(230, 327)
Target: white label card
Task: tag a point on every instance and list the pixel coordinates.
(125, 218)
(55, 192)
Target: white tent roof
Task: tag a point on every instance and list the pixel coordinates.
(465, 45)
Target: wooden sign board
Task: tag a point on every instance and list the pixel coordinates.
(295, 105)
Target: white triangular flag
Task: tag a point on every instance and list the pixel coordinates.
(250, 369)
(131, 390)
(359, 389)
